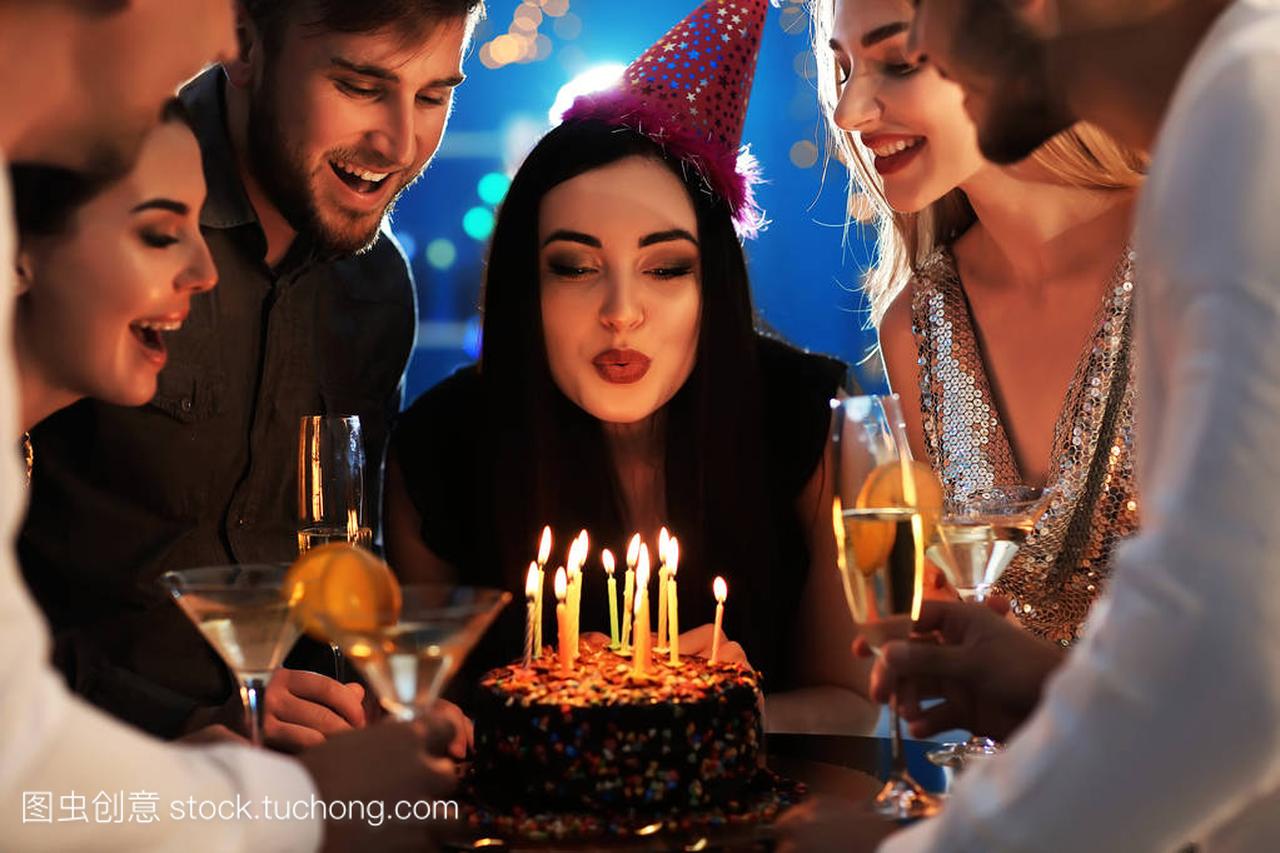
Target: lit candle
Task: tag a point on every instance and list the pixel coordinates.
(575, 610)
(562, 623)
(531, 595)
(569, 597)
(584, 548)
(673, 617)
(640, 659)
(606, 557)
(664, 543)
(628, 591)
(544, 554)
(721, 590)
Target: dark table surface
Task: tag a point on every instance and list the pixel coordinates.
(835, 766)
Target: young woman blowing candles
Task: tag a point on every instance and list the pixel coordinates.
(622, 384)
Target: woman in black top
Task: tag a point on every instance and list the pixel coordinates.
(622, 385)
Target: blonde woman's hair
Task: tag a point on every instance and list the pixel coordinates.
(1082, 156)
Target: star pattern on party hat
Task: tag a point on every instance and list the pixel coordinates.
(689, 92)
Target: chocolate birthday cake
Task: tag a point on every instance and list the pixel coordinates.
(606, 741)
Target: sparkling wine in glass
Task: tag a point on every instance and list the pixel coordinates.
(408, 660)
(885, 509)
(244, 616)
(331, 489)
(978, 537)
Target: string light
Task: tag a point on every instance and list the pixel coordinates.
(523, 41)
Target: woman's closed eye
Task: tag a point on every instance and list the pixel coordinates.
(570, 268)
(157, 239)
(842, 73)
(901, 67)
(671, 270)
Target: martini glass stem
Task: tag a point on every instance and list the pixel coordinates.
(253, 690)
(898, 762)
(339, 665)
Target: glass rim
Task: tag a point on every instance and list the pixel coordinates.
(483, 599)
(491, 599)
(202, 577)
(352, 418)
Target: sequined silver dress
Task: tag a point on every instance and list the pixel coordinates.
(1064, 564)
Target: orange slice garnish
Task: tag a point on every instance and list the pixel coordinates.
(884, 487)
(338, 588)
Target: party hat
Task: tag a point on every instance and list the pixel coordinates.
(689, 93)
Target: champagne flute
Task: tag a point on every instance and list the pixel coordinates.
(331, 489)
(978, 537)
(884, 510)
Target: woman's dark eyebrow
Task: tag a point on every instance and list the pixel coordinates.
(667, 236)
(573, 237)
(163, 204)
(886, 31)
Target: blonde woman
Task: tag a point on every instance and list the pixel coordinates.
(1002, 297)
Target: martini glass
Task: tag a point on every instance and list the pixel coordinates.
(242, 614)
(408, 660)
(881, 532)
(978, 537)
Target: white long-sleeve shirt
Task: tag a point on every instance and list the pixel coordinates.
(72, 778)
(1163, 726)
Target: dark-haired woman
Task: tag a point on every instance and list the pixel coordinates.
(622, 386)
(105, 273)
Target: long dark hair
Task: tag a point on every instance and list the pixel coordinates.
(551, 457)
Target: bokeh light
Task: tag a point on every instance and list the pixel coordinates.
(478, 223)
(804, 154)
(441, 253)
(493, 188)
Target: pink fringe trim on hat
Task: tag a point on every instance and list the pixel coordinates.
(732, 174)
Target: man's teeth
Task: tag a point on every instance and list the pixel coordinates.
(160, 325)
(362, 174)
(895, 147)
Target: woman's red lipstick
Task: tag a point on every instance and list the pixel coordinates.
(621, 366)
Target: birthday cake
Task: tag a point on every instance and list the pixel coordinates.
(606, 740)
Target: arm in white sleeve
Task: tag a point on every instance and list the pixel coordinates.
(1165, 720)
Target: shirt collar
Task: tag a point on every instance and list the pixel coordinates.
(227, 205)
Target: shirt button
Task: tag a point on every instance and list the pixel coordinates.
(186, 404)
(240, 522)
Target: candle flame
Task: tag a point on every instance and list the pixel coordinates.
(544, 549)
(606, 557)
(721, 590)
(673, 556)
(633, 551)
(586, 544)
(562, 585)
(664, 539)
(531, 582)
(642, 568)
(837, 525)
